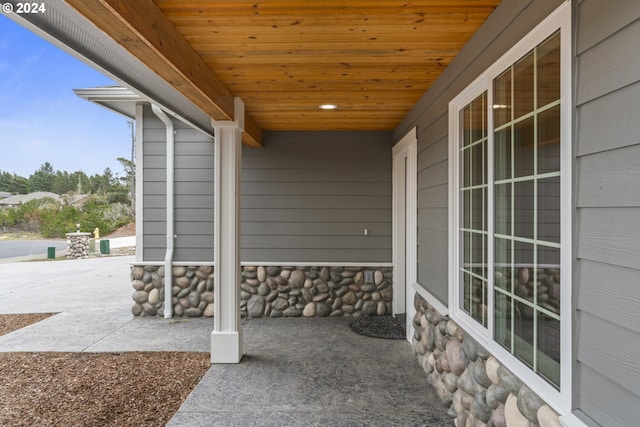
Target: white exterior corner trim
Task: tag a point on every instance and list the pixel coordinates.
(405, 225)
(139, 168)
(404, 219)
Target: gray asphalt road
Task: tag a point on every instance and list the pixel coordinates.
(17, 248)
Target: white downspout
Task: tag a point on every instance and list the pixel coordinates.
(168, 258)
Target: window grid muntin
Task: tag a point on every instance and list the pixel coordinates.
(535, 242)
(511, 294)
(468, 185)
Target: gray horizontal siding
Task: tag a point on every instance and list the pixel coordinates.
(363, 217)
(309, 196)
(432, 255)
(599, 294)
(433, 197)
(599, 395)
(608, 66)
(508, 24)
(612, 120)
(328, 174)
(342, 188)
(308, 229)
(194, 191)
(595, 26)
(313, 242)
(154, 187)
(610, 178)
(337, 256)
(258, 201)
(183, 227)
(434, 175)
(194, 196)
(608, 211)
(598, 346)
(339, 152)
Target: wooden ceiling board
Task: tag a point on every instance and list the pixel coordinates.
(372, 58)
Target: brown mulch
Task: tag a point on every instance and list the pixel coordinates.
(12, 322)
(94, 389)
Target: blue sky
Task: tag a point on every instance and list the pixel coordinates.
(41, 118)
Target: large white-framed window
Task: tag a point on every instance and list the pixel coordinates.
(510, 209)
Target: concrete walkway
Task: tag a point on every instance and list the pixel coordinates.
(295, 371)
(93, 299)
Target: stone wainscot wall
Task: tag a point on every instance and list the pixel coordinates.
(269, 291)
(476, 388)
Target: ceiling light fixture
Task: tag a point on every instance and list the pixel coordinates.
(328, 107)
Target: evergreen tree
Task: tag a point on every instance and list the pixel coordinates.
(63, 183)
(42, 179)
(20, 185)
(108, 185)
(6, 181)
(14, 184)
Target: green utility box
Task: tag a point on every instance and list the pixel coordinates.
(104, 247)
(51, 252)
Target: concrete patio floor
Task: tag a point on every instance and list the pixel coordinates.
(295, 371)
(314, 372)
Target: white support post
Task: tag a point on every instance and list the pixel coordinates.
(226, 338)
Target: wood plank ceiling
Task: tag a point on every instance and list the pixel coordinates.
(372, 58)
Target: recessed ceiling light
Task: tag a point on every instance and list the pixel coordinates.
(328, 106)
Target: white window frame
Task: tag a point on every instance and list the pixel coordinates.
(558, 20)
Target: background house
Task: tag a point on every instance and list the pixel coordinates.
(322, 203)
(18, 199)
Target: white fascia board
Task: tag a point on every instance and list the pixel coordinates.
(108, 93)
(114, 98)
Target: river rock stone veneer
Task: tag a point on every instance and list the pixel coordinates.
(476, 388)
(77, 245)
(272, 291)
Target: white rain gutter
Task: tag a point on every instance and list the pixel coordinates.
(168, 258)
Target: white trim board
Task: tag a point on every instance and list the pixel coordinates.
(315, 264)
(271, 264)
(431, 299)
(404, 219)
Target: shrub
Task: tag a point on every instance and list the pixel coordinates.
(53, 219)
(56, 221)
